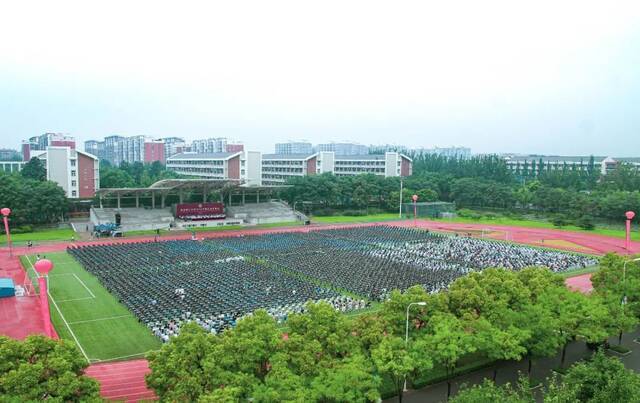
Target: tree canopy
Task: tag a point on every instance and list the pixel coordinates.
(40, 368)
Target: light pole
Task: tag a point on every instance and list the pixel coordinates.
(43, 267)
(627, 241)
(400, 203)
(5, 215)
(406, 335)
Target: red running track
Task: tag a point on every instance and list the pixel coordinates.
(122, 380)
(125, 380)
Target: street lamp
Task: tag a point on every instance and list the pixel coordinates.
(5, 213)
(406, 334)
(400, 201)
(415, 209)
(43, 267)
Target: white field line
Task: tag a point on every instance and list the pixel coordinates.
(81, 282)
(99, 319)
(62, 316)
(119, 358)
(76, 299)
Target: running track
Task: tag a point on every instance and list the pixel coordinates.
(125, 380)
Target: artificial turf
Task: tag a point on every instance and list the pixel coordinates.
(84, 312)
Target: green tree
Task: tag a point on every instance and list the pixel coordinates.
(601, 379)
(489, 392)
(34, 169)
(352, 380)
(40, 368)
(447, 343)
(178, 370)
(393, 359)
(500, 344)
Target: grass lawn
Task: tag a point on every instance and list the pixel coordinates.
(578, 272)
(48, 234)
(84, 312)
(336, 219)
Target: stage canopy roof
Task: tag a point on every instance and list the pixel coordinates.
(166, 186)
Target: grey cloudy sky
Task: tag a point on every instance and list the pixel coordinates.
(498, 76)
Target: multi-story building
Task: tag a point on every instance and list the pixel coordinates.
(344, 148)
(40, 143)
(234, 147)
(77, 172)
(278, 168)
(532, 165)
(241, 165)
(8, 154)
(387, 165)
(94, 147)
(173, 146)
(118, 149)
(211, 145)
(11, 166)
(294, 147)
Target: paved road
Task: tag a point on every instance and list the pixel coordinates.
(508, 371)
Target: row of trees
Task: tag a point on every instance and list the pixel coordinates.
(134, 174)
(327, 357)
(32, 201)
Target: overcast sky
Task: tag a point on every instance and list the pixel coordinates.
(555, 77)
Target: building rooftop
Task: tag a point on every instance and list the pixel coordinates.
(202, 156)
(287, 156)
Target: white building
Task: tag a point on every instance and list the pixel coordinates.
(77, 172)
(241, 165)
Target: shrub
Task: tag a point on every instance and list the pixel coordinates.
(354, 213)
(560, 220)
(585, 222)
(23, 229)
(465, 212)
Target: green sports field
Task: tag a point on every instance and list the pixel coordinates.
(83, 311)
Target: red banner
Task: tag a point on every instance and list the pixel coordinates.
(200, 211)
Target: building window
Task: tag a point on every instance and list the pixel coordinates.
(74, 193)
(74, 183)
(73, 163)
(73, 173)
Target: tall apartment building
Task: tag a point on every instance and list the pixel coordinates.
(40, 143)
(118, 149)
(344, 148)
(211, 145)
(95, 148)
(173, 146)
(294, 147)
